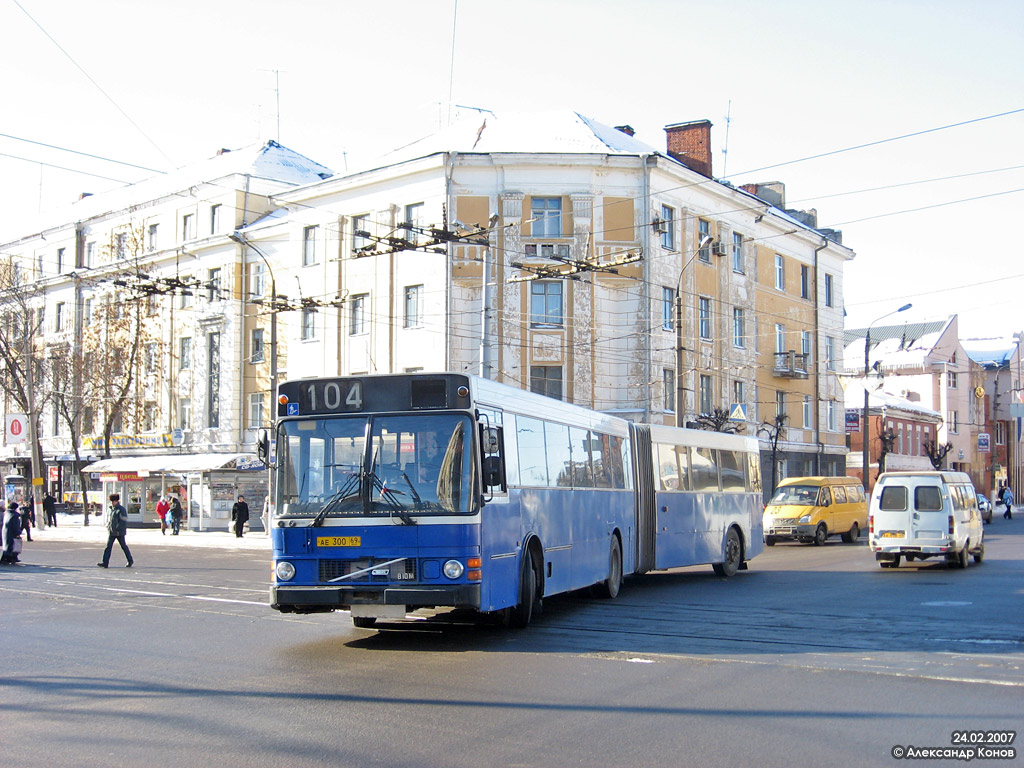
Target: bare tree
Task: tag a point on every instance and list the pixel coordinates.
(718, 421)
(21, 324)
(773, 431)
(936, 453)
(887, 439)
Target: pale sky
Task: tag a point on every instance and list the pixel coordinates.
(798, 78)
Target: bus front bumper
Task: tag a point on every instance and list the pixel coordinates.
(315, 599)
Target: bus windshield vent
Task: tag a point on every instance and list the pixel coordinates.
(429, 393)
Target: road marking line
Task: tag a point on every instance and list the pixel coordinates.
(186, 597)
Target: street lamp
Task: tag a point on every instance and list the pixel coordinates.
(704, 242)
(866, 429)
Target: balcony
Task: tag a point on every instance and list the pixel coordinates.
(790, 365)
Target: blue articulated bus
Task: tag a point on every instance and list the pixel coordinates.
(398, 492)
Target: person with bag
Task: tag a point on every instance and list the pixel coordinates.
(11, 535)
(117, 526)
(162, 508)
(240, 515)
(176, 515)
(1008, 501)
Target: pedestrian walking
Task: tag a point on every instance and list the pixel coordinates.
(162, 508)
(50, 509)
(175, 516)
(28, 518)
(11, 535)
(1008, 500)
(117, 526)
(240, 514)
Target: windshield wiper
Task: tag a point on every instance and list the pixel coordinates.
(388, 495)
(344, 493)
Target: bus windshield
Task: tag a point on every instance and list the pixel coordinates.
(402, 466)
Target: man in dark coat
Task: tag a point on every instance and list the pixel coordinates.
(50, 509)
(240, 514)
(117, 526)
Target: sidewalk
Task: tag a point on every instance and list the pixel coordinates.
(70, 528)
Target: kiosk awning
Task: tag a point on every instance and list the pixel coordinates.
(177, 464)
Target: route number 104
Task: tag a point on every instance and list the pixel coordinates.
(334, 395)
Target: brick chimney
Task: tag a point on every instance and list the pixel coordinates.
(626, 129)
(690, 144)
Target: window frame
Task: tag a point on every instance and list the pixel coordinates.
(543, 292)
(546, 216)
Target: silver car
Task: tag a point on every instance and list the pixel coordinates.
(985, 507)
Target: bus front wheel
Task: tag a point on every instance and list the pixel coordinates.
(609, 588)
(733, 555)
(522, 614)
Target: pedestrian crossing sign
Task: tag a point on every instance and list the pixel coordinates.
(738, 412)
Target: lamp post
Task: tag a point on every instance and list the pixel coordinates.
(238, 237)
(704, 241)
(866, 429)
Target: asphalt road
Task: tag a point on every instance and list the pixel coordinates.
(815, 656)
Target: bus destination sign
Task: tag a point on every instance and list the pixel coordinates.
(322, 396)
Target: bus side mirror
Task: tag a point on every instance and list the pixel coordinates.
(491, 440)
(492, 471)
(263, 446)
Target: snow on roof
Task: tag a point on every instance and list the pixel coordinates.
(991, 352)
(879, 398)
(561, 131)
(890, 352)
(269, 161)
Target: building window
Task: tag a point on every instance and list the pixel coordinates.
(188, 226)
(808, 412)
(90, 255)
(413, 306)
(829, 297)
(213, 284)
(184, 413)
(186, 291)
(737, 253)
(308, 331)
(1000, 432)
(805, 347)
(150, 415)
(780, 403)
(830, 417)
(309, 246)
(414, 223)
(805, 281)
(360, 232)
(87, 312)
(60, 260)
(258, 280)
(668, 380)
(257, 407)
(546, 213)
(668, 303)
(215, 218)
(951, 379)
(704, 231)
(780, 338)
(213, 381)
(830, 353)
(151, 356)
(668, 223)
(58, 320)
(705, 393)
(704, 317)
(738, 392)
(185, 353)
(780, 272)
(546, 302)
(121, 245)
(357, 318)
(256, 346)
(546, 380)
(953, 422)
(739, 334)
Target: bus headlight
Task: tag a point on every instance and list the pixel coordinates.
(285, 571)
(453, 569)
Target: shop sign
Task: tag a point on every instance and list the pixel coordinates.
(122, 477)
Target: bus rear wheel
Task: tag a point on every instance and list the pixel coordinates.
(522, 614)
(733, 555)
(609, 588)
